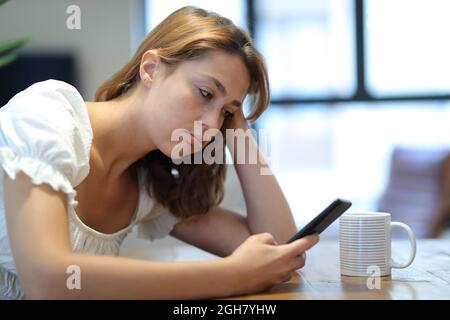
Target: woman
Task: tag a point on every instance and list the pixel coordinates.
(112, 160)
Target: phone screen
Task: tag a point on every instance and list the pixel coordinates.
(324, 219)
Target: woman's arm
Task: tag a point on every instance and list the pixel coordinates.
(39, 237)
(219, 232)
(267, 208)
(37, 224)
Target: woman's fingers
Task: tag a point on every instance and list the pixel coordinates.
(299, 246)
(266, 238)
(288, 276)
(297, 262)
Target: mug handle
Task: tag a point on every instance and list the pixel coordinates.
(412, 240)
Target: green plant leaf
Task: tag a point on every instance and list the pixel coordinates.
(7, 59)
(12, 44)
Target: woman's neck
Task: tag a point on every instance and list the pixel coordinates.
(118, 141)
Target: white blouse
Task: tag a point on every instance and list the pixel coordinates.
(45, 132)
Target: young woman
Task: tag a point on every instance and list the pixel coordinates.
(78, 176)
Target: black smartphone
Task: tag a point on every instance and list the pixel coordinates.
(324, 219)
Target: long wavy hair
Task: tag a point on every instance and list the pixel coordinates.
(186, 34)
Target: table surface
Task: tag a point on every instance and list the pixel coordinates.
(428, 277)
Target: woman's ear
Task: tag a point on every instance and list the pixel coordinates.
(149, 63)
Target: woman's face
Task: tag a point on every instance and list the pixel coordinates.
(207, 89)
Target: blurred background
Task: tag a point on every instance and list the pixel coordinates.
(360, 92)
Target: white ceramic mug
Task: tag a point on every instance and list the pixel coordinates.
(365, 244)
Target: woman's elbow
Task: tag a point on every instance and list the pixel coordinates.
(49, 283)
(48, 289)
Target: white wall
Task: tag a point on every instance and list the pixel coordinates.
(110, 32)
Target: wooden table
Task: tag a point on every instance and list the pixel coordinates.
(428, 277)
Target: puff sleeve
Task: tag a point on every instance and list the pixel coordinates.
(40, 135)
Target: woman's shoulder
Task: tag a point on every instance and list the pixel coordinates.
(57, 102)
(51, 89)
(48, 87)
(47, 124)
(44, 93)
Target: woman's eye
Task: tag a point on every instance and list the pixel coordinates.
(205, 94)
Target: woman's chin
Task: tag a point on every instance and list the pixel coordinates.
(182, 151)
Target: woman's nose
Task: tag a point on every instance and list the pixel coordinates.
(212, 118)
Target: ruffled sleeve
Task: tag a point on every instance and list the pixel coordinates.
(40, 136)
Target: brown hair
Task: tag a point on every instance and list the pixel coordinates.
(188, 34)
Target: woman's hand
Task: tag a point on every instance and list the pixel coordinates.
(237, 121)
(237, 140)
(260, 263)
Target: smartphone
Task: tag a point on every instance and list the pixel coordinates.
(324, 219)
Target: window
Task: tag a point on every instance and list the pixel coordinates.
(325, 153)
(156, 11)
(308, 45)
(350, 80)
(411, 57)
